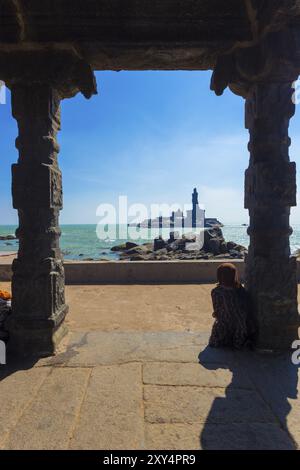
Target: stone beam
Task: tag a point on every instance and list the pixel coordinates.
(141, 35)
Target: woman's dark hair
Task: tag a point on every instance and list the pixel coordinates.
(228, 276)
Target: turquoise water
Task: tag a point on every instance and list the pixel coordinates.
(81, 241)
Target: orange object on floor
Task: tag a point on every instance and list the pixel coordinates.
(5, 295)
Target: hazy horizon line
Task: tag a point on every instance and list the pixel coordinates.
(240, 223)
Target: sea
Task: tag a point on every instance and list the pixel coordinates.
(81, 242)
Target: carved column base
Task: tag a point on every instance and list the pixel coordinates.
(36, 337)
(273, 287)
(36, 326)
(274, 338)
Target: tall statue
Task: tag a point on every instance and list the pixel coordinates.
(195, 198)
(195, 208)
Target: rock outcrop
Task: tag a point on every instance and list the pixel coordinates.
(124, 247)
(214, 247)
(8, 237)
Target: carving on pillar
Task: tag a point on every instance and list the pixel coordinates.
(38, 275)
(270, 191)
(264, 76)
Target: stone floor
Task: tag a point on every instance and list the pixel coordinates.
(135, 373)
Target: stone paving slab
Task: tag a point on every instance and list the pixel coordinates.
(112, 413)
(251, 436)
(182, 404)
(277, 380)
(17, 391)
(101, 348)
(162, 373)
(49, 420)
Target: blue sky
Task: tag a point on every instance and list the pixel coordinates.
(152, 136)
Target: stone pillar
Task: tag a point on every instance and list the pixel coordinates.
(270, 191)
(38, 275)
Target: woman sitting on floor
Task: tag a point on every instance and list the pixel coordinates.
(234, 324)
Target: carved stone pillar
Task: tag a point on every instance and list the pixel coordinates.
(270, 191)
(38, 83)
(38, 275)
(263, 74)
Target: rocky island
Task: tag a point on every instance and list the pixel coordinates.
(214, 247)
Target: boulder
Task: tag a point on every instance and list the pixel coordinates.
(161, 252)
(208, 256)
(231, 246)
(163, 258)
(189, 238)
(214, 246)
(236, 247)
(188, 255)
(124, 246)
(8, 237)
(223, 248)
(138, 257)
(149, 245)
(235, 254)
(139, 250)
(214, 241)
(173, 236)
(159, 243)
(177, 245)
(241, 249)
(213, 223)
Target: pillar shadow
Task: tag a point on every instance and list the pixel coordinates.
(15, 364)
(253, 414)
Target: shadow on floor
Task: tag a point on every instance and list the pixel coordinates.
(15, 364)
(253, 414)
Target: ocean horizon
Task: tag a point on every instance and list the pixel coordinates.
(80, 241)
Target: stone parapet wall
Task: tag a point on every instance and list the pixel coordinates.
(123, 272)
